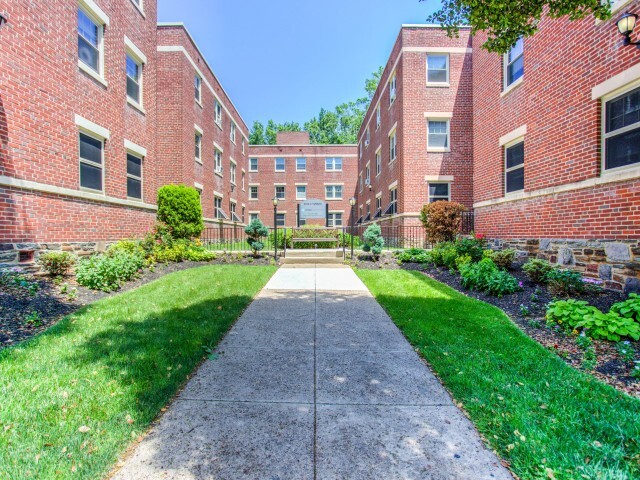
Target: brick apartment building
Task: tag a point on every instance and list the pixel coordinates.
(416, 141)
(293, 171)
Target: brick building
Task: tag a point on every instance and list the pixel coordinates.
(416, 142)
(293, 170)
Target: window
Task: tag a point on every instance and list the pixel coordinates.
(378, 206)
(232, 173)
(392, 89)
(280, 192)
(279, 164)
(91, 159)
(514, 167)
(438, 135)
(368, 174)
(301, 192)
(218, 113)
(361, 182)
(301, 164)
(90, 41)
(393, 143)
(219, 212)
(253, 192)
(333, 164)
(378, 162)
(198, 88)
(134, 77)
(514, 63)
(253, 216)
(243, 179)
(232, 135)
(437, 69)
(333, 192)
(243, 145)
(198, 147)
(368, 140)
(134, 176)
(622, 130)
(334, 219)
(438, 191)
(218, 161)
(234, 214)
(280, 219)
(253, 164)
(378, 118)
(393, 202)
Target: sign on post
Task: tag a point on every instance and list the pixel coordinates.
(313, 209)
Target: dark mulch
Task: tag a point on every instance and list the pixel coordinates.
(52, 302)
(366, 261)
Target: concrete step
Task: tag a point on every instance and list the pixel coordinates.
(316, 253)
(311, 260)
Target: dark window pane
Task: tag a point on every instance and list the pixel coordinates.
(133, 90)
(515, 155)
(90, 176)
(515, 70)
(515, 180)
(134, 188)
(623, 111)
(623, 149)
(87, 53)
(439, 190)
(90, 149)
(134, 165)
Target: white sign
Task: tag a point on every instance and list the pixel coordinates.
(313, 209)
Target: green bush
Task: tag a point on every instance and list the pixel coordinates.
(126, 246)
(414, 255)
(537, 270)
(373, 241)
(568, 313)
(56, 263)
(630, 308)
(256, 231)
(564, 282)
(344, 240)
(179, 208)
(486, 277)
(182, 250)
(463, 260)
(504, 258)
(444, 254)
(470, 246)
(108, 272)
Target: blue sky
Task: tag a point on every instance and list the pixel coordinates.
(286, 59)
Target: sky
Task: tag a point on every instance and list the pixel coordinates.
(285, 59)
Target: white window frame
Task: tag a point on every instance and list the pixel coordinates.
(101, 20)
(305, 164)
(251, 187)
(301, 197)
(438, 197)
(197, 140)
(284, 192)
(218, 212)
(393, 192)
(257, 163)
(368, 138)
(331, 218)
(379, 161)
(141, 59)
(139, 6)
(505, 147)
(333, 186)
(217, 113)
(101, 139)
(232, 171)
(361, 182)
(507, 87)
(367, 174)
(604, 101)
(243, 177)
(217, 157)
(332, 161)
(448, 122)
(393, 89)
(97, 132)
(378, 116)
(140, 178)
(284, 164)
(232, 132)
(393, 145)
(197, 88)
(439, 84)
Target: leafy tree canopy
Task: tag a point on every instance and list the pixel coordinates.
(505, 21)
(337, 126)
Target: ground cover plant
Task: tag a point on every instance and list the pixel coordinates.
(546, 419)
(74, 397)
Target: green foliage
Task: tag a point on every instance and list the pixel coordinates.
(414, 255)
(485, 276)
(471, 247)
(33, 319)
(537, 270)
(506, 22)
(56, 263)
(568, 313)
(504, 258)
(179, 208)
(626, 351)
(630, 308)
(565, 282)
(182, 250)
(256, 135)
(107, 272)
(442, 220)
(444, 254)
(373, 241)
(126, 246)
(256, 231)
(463, 260)
(344, 240)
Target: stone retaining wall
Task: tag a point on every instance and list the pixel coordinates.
(10, 252)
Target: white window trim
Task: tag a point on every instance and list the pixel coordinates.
(333, 185)
(97, 15)
(505, 64)
(305, 192)
(137, 55)
(199, 133)
(429, 196)
(275, 164)
(233, 172)
(140, 7)
(92, 128)
(102, 139)
(438, 84)
(217, 119)
(232, 132)
(446, 149)
(198, 100)
(393, 134)
(378, 116)
(393, 78)
(135, 149)
(275, 191)
(516, 134)
(141, 178)
(257, 164)
(333, 163)
(513, 142)
(217, 168)
(305, 164)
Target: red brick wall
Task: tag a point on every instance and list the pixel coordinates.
(315, 177)
(42, 89)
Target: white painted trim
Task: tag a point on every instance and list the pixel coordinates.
(512, 87)
(218, 194)
(134, 148)
(308, 145)
(393, 129)
(513, 135)
(301, 184)
(438, 178)
(92, 73)
(88, 126)
(253, 211)
(135, 51)
(198, 129)
(67, 192)
(279, 184)
(431, 25)
(606, 178)
(136, 105)
(462, 50)
(393, 185)
(233, 161)
(438, 115)
(621, 80)
(326, 155)
(140, 8)
(334, 183)
(199, 186)
(253, 184)
(180, 48)
(379, 149)
(95, 10)
(218, 147)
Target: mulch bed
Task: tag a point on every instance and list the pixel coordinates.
(17, 304)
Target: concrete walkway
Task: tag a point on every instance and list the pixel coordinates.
(313, 382)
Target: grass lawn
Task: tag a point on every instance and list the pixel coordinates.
(545, 418)
(73, 398)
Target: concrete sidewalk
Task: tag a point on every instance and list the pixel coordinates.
(313, 382)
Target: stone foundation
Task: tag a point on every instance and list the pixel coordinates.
(615, 262)
(15, 254)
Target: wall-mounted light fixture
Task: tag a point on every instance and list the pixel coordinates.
(3, 19)
(626, 23)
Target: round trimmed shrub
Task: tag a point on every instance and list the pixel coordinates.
(179, 208)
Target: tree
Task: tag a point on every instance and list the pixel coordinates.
(256, 137)
(442, 220)
(507, 21)
(256, 231)
(371, 84)
(373, 241)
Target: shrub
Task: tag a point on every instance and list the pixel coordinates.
(472, 247)
(108, 272)
(182, 250)
(564, 282)
(373, 241)
(504, 258)
(609, 326)
(537, 270)
(284, 235)
(56, 263)
(463, 260)
(127, 246)
(442, 220)
(179, 208)
(486, 277)
(630, 308)
(444, 254)
(256, 231)
(568, 313)
(414, 255)
(344, 240)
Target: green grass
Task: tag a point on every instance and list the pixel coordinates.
(544, 417)
(111, 367)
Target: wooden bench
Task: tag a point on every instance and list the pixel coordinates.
(314, 240)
